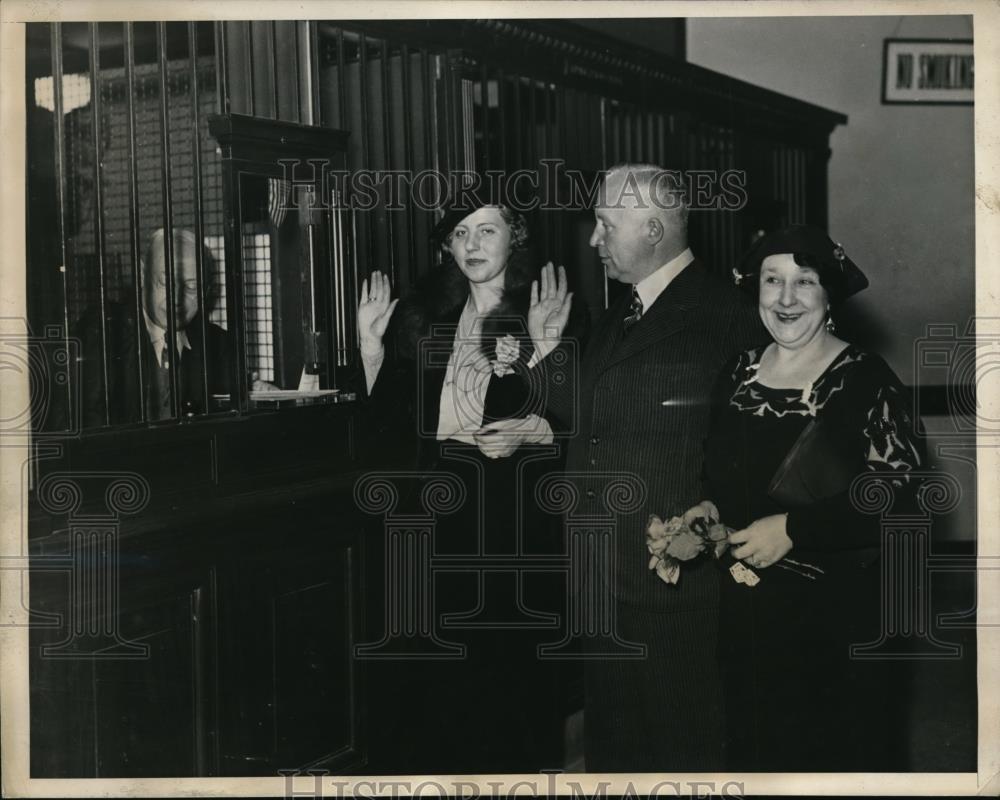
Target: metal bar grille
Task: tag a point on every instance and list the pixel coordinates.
(58, 145)
(139, 159)
(168, 229)
(134, 221)
(199, 211)
(95, 107)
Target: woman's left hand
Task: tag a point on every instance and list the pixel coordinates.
(763, 543)
(501, 438)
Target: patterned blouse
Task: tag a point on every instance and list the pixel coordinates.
(754, 426)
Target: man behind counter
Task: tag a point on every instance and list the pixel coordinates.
(192, 360)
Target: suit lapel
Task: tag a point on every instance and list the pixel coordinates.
(607, 333)
(667, 316)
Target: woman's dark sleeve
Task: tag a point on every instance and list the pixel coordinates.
(387, 418)
(887, 444)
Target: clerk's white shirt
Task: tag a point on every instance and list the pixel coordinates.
(652, 286)
(158, 338)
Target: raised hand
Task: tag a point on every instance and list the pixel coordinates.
(374, 311)
(549, 309)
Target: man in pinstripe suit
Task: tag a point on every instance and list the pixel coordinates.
(644, 381)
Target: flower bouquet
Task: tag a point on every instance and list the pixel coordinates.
(684, 538)
(698, 532)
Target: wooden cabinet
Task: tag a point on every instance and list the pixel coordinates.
(226, 645)
(291, 690)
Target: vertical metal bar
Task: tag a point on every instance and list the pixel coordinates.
(341, 82)
(502, 120)
(450, 114)
(199, 233)
(304, 82)
(429, 115)
(786, 180)
(604, 165)
(311, 37)
(248, 68)
(303, 78)
(339, 285)
(386, 80)
(561, 128)
(651, 141)
(133, 210)
(95, 110)
(547, 95)
(59, 139)
(484, 116)
(168, 229)
(365, 153)
(468, 126)
(796, 183)
(657, 122)
(518, 133)
(604, 133)
(638, 130)
(272, 46)
(232, 214)
(803, 198)
(532, 125)
(221, 68)
(409, 165)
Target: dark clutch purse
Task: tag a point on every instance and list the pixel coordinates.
(818, 466)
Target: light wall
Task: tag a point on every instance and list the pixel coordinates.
(901, 185)
(901, 177)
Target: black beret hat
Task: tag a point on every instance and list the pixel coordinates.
(465, 200)
(811, 247)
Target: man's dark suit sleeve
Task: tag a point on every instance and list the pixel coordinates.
(557, 377)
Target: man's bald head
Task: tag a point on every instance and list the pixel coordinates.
(647, 186)
(641, 220)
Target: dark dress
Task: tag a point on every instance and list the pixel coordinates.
(498, 709)
(795, 700)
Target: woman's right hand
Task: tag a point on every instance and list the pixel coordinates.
(374, 311)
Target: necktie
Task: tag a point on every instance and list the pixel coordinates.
(635, 311)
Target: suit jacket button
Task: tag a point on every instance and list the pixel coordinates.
(594, 440)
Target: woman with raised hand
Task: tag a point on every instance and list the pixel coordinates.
(454, 393)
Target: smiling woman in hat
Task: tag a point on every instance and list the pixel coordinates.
(456, 388)
(794, 422)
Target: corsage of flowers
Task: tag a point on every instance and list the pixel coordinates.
(508, 351)
(699, 531)
(683, 538)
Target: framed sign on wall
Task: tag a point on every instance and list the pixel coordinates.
(927, 71)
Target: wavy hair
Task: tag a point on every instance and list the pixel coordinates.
(445, 289)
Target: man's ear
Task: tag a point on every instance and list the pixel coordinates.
(654, 231)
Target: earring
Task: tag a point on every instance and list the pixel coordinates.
(830, 325)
